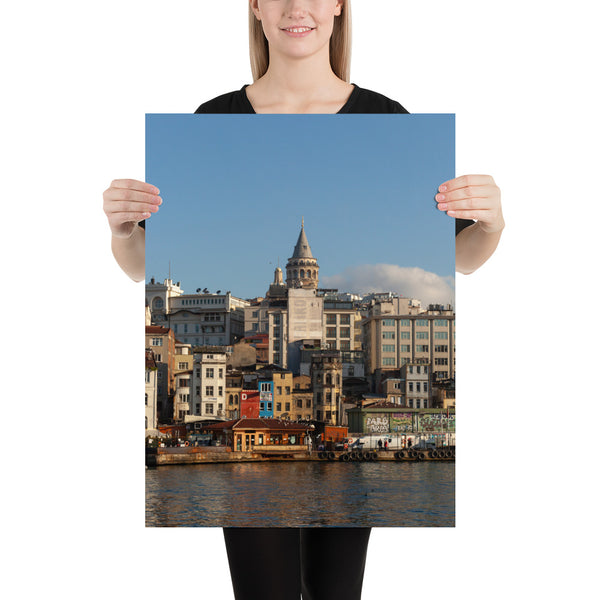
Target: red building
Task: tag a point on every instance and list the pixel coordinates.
(250, 404)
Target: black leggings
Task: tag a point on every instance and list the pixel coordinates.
(279, 563)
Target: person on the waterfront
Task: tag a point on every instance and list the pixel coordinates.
(300, 55)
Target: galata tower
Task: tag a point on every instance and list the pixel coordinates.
(302, 270)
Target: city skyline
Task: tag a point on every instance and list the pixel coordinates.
(342, 174)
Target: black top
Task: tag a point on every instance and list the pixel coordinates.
(361, 101)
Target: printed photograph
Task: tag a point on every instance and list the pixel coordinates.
(300, 322)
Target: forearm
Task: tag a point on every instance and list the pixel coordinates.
(130, 253)
(474, 246)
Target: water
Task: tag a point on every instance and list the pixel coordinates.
(302, 494)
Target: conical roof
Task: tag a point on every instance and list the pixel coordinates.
(302, 249)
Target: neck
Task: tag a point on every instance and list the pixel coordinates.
(300, 78)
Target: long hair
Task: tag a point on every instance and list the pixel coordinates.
(340, 45)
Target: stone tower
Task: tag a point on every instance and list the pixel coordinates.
(302, 270)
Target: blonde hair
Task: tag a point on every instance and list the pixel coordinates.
(340, 45)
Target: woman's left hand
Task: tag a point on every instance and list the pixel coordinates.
(473, 197)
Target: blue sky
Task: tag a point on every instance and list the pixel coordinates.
(235, 188)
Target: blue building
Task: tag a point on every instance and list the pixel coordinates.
(265, 389)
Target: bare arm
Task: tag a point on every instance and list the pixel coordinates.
(130, 253)
(474, 246)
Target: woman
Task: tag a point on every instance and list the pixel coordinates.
(300, 57)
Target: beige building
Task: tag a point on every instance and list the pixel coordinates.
(302, 403)
(398, 332)
(283, 382)
(326, 379)
(233, 393)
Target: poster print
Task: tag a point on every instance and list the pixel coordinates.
(299, 321)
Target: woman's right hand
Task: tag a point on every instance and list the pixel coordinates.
(128, 201)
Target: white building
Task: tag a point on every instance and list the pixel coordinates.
(208, 384)
(201, 319)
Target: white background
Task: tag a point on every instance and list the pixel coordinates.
(78, 78)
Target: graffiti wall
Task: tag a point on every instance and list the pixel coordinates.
(377, 424)
(437, 422)
(401, 422)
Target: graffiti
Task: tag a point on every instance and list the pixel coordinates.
(377, 424)
(402, 422)
(437, 422)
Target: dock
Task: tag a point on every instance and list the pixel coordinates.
(193, 455)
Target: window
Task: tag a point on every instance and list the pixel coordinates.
(182, 366)
(389, 335)
(388, 322)
(404, 348)
(279, 390)
(422, 335)
(287, 407)
(405, 322)
(441, 322)
(265, 387)
(299, 403)
(230, 398)
(254, 326)
(210, 390)
(345, 345)
(277, 319)
(331, 332)
(418, 384)
(308, 403)
(441, 361)
(278, 407)
(288, 390)
(418, 403)
(441, 335)
(441, 348)
(270, 406)
(146, 399)
(220, 391)
(345, 332)
(210, 408)
(331, 319)
(184, 383)
(410, 386)
(328, 415)
(345, 319)
(422, 348)
(210, 373)
(422, 323)
(424, 389)
(405, 335)
(221, 373)
(262, 406)
(389, 348)
(157, 342)
(388, 362)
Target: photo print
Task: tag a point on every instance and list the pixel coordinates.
(300, 322)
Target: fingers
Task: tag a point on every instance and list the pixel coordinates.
(134, 184)
(128, 201)
(474, 197)
(466, 181)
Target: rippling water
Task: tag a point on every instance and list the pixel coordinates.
(302, 494)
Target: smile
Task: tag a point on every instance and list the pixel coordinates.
(297, 30)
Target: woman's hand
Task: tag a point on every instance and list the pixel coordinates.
(473, 197)
(126, 202)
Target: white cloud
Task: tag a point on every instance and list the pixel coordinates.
(412, 282)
